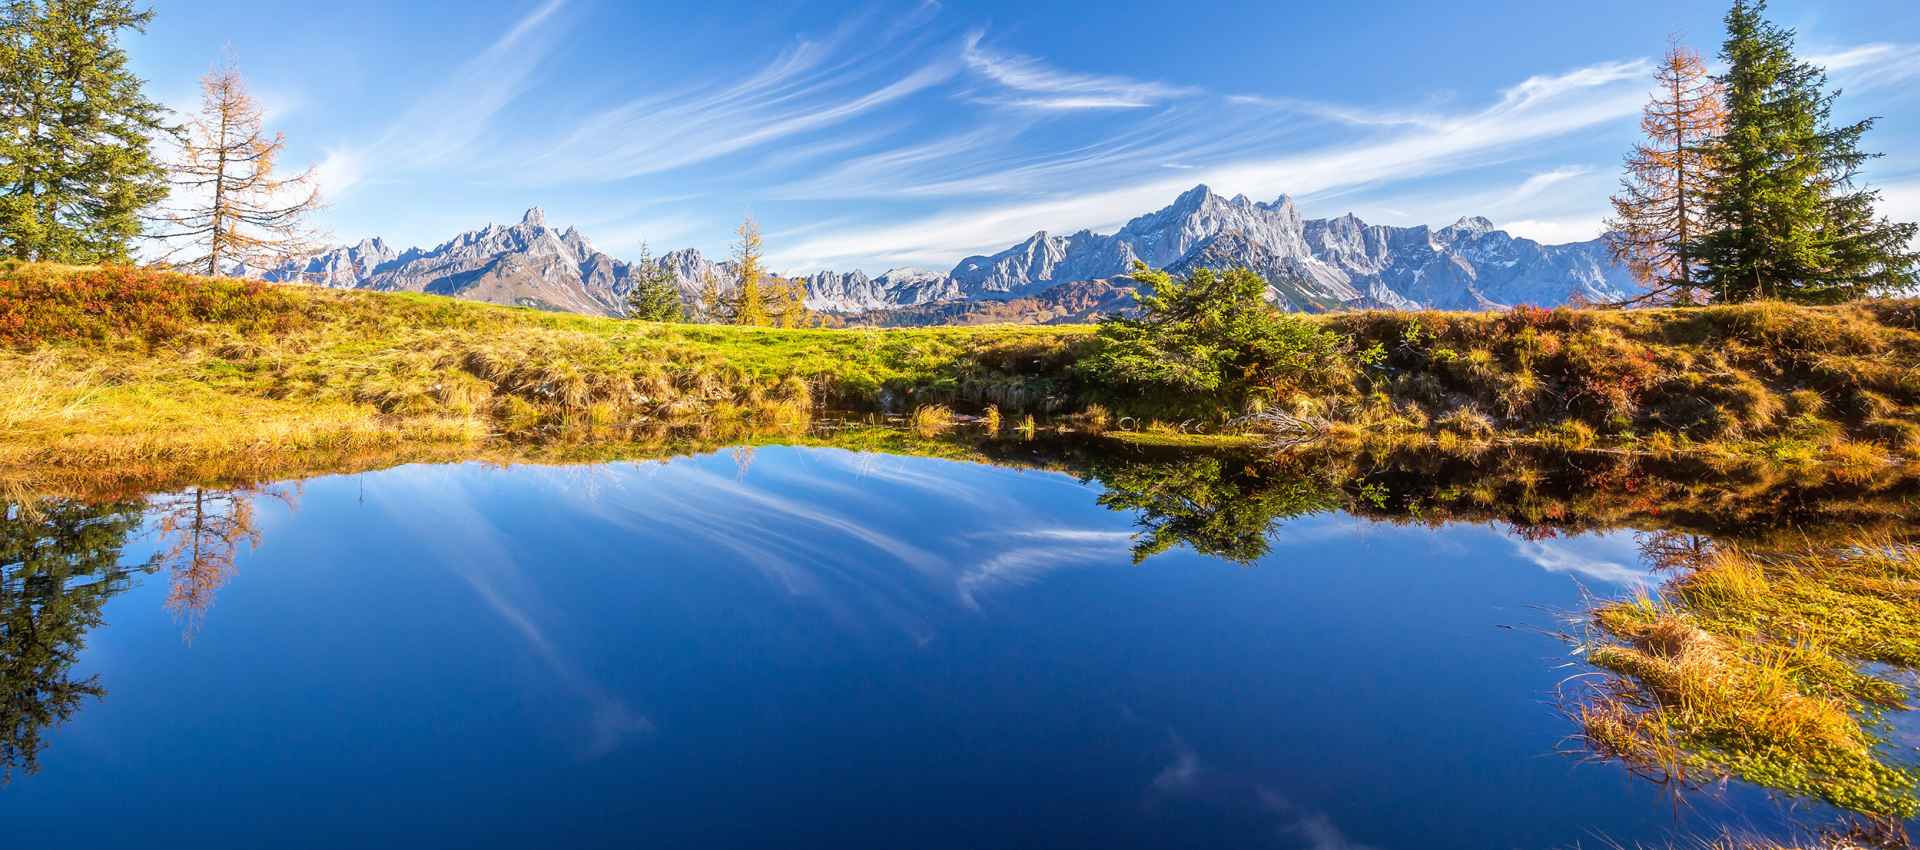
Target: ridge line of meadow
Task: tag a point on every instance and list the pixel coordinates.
(105, 364)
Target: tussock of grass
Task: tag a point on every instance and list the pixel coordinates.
(1799, 385)
(932, 420)
(1772, 669)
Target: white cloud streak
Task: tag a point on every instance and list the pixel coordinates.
(1539, 108)
(1871, 66)
(1338, 113)
(1609, 558)
(1033, 84)
(810, 87)
(442, 127)
(1556, 231)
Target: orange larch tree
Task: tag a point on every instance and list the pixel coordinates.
(1661, 210)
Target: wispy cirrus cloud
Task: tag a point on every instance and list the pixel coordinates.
(1344, 114)
(1563, 204)
(1537, 109)
(991, 161)
(814, 85)
(923, 139)
(1538, 183)
(1031, 83)
(442, 126)
(1871, 66)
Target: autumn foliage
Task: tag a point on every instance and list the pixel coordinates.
(1661, 209)
(40, 304)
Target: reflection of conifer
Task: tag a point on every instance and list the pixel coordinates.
(59, 564)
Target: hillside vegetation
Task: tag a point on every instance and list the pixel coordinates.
(100, 364)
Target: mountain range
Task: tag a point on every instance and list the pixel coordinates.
(1311, 265)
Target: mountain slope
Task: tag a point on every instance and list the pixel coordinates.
(1311, 265)
(526, 264)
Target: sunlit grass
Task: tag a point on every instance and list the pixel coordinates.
(1772, 668)
(110, 364)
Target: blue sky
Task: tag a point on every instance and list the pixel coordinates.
(873, 135)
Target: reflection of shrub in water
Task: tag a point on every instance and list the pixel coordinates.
(59, 564)
(1218, 505)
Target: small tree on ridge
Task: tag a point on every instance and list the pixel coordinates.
(229, 207)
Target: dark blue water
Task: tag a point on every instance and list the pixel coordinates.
(820, 648)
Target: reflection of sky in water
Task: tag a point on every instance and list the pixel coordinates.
(815, 647)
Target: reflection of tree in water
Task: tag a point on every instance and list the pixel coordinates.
(1224, 504)
(1787, 627)
(59, 564)
(1673, 550)
(60, 561)
(202, 531)
(1219, 505)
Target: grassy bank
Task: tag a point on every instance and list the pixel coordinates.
(1775, 667)
(118, 365)
(113, 365)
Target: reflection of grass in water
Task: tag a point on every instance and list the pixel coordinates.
(1768, 668)
(932, 420)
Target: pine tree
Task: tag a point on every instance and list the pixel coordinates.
(749, 308)
(654, 296)
(76, 128)
(1661, 209)
(1792, 222)
(228, 207)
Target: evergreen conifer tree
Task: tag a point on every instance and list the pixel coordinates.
(654, 297)
(1792, 222)
(76, 131)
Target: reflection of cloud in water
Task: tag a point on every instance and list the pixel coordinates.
(1314, 830)
(1611, 558)
(471, 545)
(1180, 774)
(1296, 825)
(1048, 549)
(913, 473)
(795, 539)
(792, 545)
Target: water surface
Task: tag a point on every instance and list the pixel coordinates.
(816, 647)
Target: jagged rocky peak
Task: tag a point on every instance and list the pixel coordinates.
(1470, 226)
(1310, 264)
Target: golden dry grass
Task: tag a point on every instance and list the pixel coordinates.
(1769, 668)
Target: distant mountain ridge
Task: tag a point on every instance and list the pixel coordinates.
(1310, 265)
